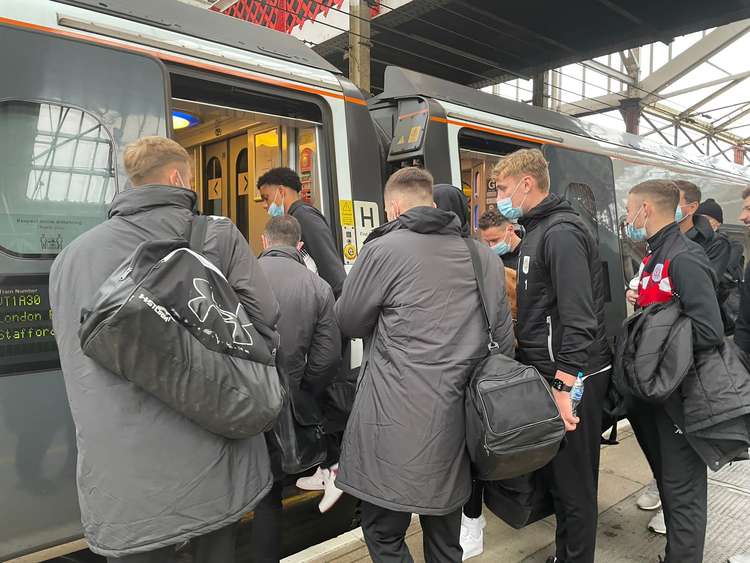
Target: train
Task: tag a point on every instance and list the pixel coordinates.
(85, 77)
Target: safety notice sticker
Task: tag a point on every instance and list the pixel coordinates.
(346, 209)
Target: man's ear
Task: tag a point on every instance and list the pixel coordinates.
(264, 241)
(299, 246)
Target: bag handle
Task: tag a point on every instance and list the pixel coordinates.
(196, 232)
(479, 277)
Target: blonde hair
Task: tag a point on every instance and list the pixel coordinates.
(144, 157)
(528, 162)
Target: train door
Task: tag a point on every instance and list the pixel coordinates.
(215, 195)
(478, 153)
(65, 117)
(587, 181)
(239, 183)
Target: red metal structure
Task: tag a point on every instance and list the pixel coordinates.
(285, 15)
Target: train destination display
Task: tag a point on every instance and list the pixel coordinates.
(27, 340)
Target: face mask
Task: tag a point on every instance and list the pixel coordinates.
(678, 214)
(633, 233)
(182, 182)
(275, 210)
(505, 205)
(501, 248)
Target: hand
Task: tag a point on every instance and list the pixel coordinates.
(631, 296)
(564, 403)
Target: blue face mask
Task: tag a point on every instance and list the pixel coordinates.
(678, 214)
(275, 210)
(501, 248)
(505, 206)
(633, 233)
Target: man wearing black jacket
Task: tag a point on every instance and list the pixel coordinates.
(742, 327)
(697, 228)
(560, 331)
(307, 360)
(280, 189)
(674, 266)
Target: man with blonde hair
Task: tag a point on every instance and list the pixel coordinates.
(560, 331)
(148, 478)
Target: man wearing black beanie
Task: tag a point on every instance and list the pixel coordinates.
(732, 255)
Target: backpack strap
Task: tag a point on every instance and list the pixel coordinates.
(478, 275)
(197, 233)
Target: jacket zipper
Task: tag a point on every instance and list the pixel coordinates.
(549, 339)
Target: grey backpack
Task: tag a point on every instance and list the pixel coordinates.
(513, 426)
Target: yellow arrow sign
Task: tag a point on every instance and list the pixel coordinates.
(242, 184)
(214, 188)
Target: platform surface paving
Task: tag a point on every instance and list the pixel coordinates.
(622, 534)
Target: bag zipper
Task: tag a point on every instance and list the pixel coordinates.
(485, 416)
(549, 338)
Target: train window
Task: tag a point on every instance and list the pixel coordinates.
(581, 197)
(58, 176)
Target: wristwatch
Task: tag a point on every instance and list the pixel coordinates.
(559, 384)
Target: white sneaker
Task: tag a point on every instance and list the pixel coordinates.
(332, 492)
(740, 558)
(472, 536)
(649, 499)
(657, 524)
(314, 482)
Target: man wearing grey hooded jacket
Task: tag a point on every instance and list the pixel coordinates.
(413, 293)
(149, 478)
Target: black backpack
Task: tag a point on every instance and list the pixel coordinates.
(729, 287)
(168, 321)
(513, 426)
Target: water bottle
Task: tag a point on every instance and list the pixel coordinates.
(576, 394)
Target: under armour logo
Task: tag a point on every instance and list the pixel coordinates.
(202, 305)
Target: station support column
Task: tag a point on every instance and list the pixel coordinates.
(359, 44)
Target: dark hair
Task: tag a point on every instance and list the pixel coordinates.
(283, 230)
(746, 193)
(281, 176)
(414, 182)
(691, 191)
(492, 218)
(664, 194)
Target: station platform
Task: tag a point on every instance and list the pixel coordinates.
(622, 536)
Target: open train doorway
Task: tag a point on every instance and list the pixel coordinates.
(478, 155)
(234, 136)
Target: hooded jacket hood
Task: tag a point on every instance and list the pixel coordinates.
(451, 198)
(549, 205)
(144, 198)
(424, 220)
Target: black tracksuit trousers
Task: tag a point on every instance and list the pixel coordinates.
(385, 535)
(573, 478)
(681, 476)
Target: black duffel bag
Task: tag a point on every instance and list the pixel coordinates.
(168, 321)
(298, 432)
(519, 501)
(513, 425)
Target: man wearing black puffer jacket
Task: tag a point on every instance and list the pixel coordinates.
(674, 266)
(560, 331)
